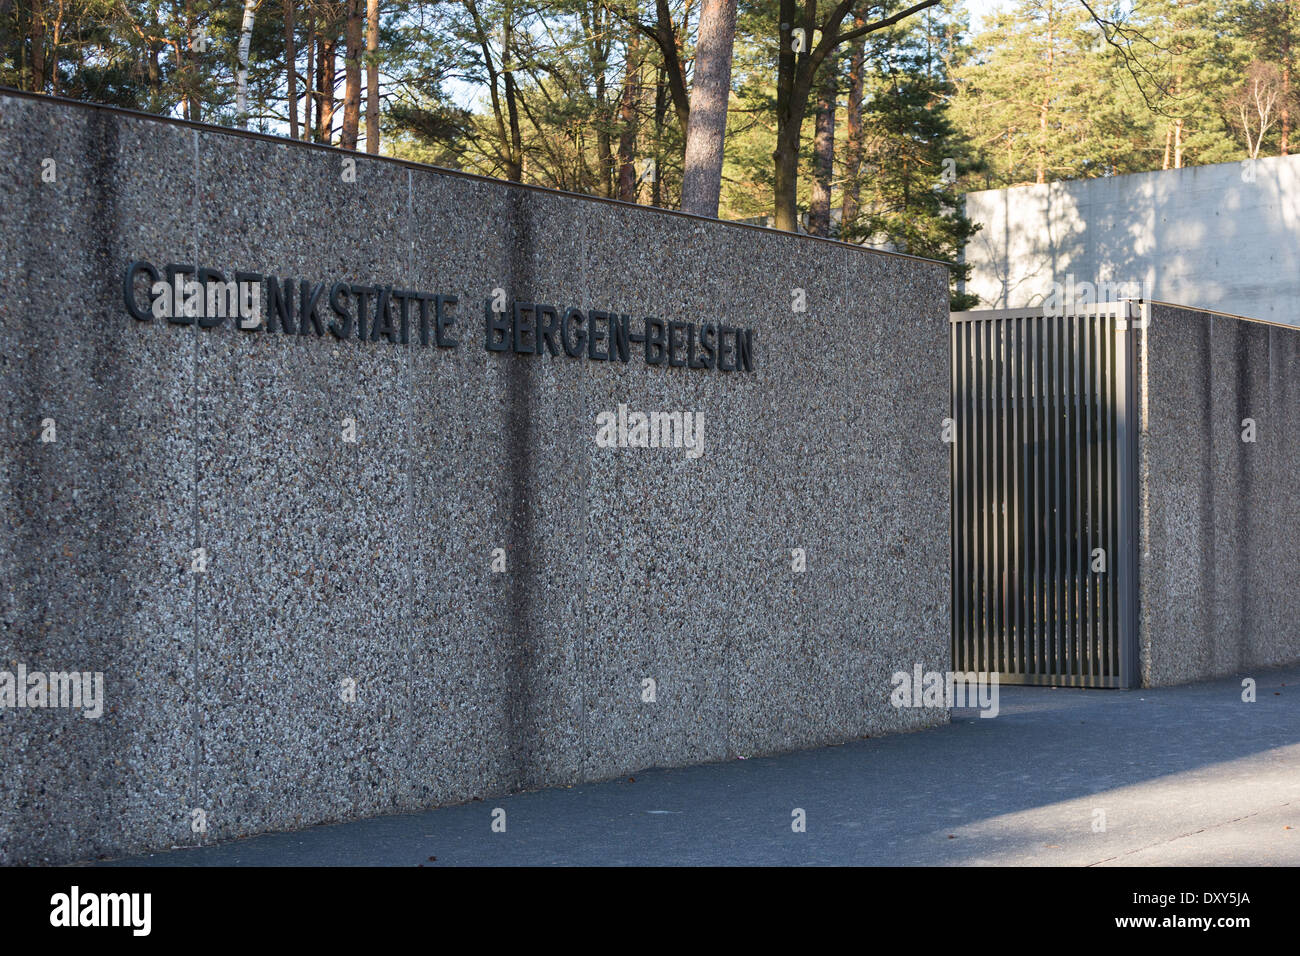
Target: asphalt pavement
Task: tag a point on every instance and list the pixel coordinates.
(1182, 775)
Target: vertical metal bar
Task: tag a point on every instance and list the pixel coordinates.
(1103, 495)
(959, 492)
(1103, 478)
(1063, 501)
(1058, 503)
(1067, 486)
(1108, 494)
(1068, 450)
(1089, 487)
(1004, 632)
(1013, 498)
(1068, 422)
(1104, 405)
(961, 335)
(1081, 497)
(979, 452)
(1076, 517)
(1099, 583)
(1022, 511)
(1112, 514)
(1127, 482)
(1048, 539)
(954, 564)
(972, 493)
(1044, 497)
(987, 458)
(991, 499)
(1044, 508)
(996, 454)
(1035, 490)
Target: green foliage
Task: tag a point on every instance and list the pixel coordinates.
(914, 155)
(575, 93)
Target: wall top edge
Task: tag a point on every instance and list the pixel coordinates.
(7, 92)
(1226, 315)
(1292, 160)
(1108, 308)
(1125, 307)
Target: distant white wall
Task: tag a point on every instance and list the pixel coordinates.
(1224, 237)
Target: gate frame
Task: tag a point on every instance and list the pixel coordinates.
(1131, 316)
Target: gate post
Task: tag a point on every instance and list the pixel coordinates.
(1127, 324)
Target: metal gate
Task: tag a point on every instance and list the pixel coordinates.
(1043, 440)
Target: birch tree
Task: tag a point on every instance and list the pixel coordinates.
(241, 78)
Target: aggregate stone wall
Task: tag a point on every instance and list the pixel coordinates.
(371, 562)
(1219, 517)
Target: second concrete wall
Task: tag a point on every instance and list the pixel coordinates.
(1219, 516)
(1221, 237)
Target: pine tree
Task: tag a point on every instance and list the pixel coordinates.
(914, 156)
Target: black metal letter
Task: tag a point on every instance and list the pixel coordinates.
(128, 289)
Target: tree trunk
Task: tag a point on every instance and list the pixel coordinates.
(785, 181)
(241, 77)
(710, 92)
(38, 48)
(675, 63)
(372, 76)
(1285, 145)
(604, 142)
(179, 54)
(505, 118)
(309, 81)
(789, 119)
(326, 68)
(291, 69)
(795, 75)
(191, 80)
(352, 75)
(596, 20)
(668, 41)
(853, 148)
(54, 51)
(627, 118)
(515, 165)
(661, 110)
(154, 69)
(1041, 168)
(819, 210)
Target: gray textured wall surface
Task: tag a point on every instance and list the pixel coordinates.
(1219, 520)
(371, 561)
(1221, 237)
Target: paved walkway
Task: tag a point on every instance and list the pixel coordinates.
(1185, 775)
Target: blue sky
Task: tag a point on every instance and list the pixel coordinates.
(980, 9)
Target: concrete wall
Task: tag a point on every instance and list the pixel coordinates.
(371, 561)
(1219, 520)
(1223, 237)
